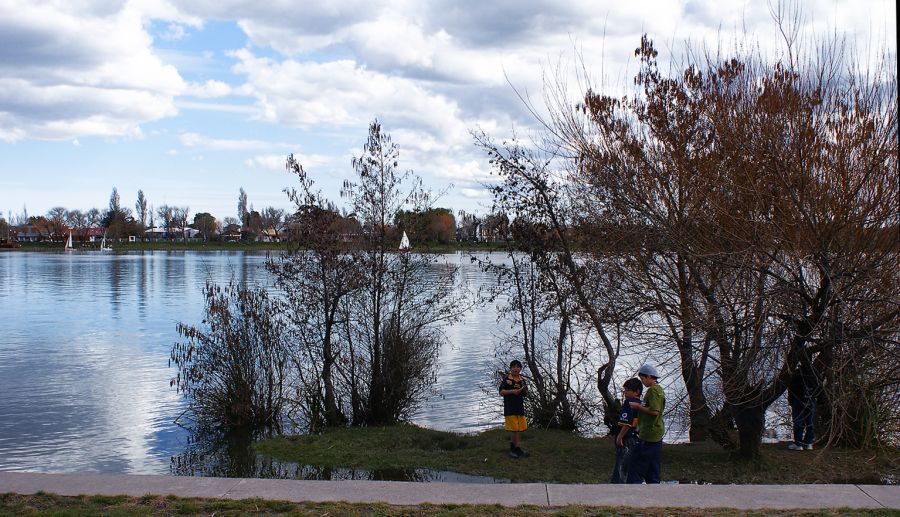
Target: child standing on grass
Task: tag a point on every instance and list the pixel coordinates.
(646, 458)
(626, 438)
(513, 389)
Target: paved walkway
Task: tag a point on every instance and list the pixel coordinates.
(403, 493)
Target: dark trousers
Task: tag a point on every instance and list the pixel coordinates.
(803, 414)
(623, 456)
(646, 462)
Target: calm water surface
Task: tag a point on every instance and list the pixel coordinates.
(84, 376)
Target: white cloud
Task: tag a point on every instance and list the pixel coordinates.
(341, 93)
(79, 69)
(205, 142)
(216, 106)
(470, 172)
(208, 90)
(475, 193)
(173, 32)
(276, 162)
(272, 162)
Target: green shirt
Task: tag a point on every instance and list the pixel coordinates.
(651, 428)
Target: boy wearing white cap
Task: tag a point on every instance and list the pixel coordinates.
(646, 459)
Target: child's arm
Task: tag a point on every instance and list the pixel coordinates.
(620, 438)
(503, 388)
(643, 409)
(654, 401)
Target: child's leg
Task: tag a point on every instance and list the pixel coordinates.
(636, 464)
(654, 470)
(618, 470)
(514, 439)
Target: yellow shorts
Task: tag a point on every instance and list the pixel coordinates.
(516, 423)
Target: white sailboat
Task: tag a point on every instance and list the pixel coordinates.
(103, 246)
(404, 242)
(69, 246)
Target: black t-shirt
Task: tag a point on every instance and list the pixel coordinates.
(513, 404)
(628, 417)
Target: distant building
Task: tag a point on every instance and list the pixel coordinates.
(92, 234)
(28, 233)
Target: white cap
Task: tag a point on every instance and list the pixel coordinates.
(648, 369)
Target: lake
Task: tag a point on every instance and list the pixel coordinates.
(84, 362)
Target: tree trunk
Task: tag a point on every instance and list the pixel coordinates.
(691, 372)
(700, 416)
(750, 419)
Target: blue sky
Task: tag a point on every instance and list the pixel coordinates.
(192, 100)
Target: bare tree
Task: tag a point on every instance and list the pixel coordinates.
(56, 219)
(77, 221)
(93, 217)
(533, 194)
(167, 214)
(271, 220)
(397, 315)
(316, 275)
(764, 194)
(180, 215)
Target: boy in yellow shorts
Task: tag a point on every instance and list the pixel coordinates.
(513, 389)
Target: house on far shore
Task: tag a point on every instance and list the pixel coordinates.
(268, 235)
(154, 234)
(158, 234)
(91, 234)
(28, 233)
(231, 233)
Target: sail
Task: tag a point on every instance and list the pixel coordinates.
(69, 246)
(404, 242)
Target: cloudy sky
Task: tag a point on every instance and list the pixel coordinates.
(192, 100)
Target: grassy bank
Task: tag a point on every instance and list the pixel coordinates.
(563, 457)
(45, 504)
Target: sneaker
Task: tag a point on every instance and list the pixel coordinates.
(795, 447)
(522, 453)
(808, 447)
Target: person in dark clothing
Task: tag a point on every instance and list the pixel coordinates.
(513, 389)
(645, 465)
(801, 398)
(626, 438)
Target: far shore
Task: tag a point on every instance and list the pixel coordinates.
(475, 247)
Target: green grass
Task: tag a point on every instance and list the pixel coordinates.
(562, 457)
(52, 505)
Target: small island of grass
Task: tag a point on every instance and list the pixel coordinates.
(563, 457)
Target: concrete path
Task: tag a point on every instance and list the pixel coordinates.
(743, 497)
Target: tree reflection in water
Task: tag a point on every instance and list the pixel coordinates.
(231, 455)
